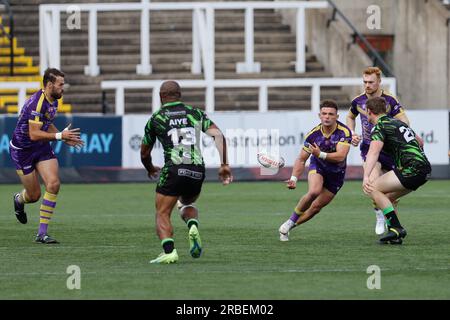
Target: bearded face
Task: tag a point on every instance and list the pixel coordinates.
(371, 83)
(57, 88)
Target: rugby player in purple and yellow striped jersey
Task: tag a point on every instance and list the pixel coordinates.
(372, 82)
(328, 145)
(32, 154)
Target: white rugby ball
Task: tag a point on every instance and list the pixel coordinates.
(270, 161)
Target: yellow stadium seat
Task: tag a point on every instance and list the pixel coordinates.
(5, 41)
(11, 109)
(21, 78)
(15, 91)
(17, 51)
(20, 70)
(24, 71)
(28, 61)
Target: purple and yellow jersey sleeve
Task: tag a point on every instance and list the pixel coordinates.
(328, 143)
(311, 138)
(394, 107)
(346, 135)
(358, 107)
(354, 108)
(36, 110)
(40, 111)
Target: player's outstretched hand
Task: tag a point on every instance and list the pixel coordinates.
(71, 134)
(225, 174)
(291, 184)
(154, 172)
(355, 139)
(76, 144)
(71, 137)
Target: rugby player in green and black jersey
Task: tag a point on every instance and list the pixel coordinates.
(178, 127)
(412, 168)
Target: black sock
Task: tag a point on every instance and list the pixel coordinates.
(168, 245)
(391, 218)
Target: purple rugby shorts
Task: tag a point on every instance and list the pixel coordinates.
(25, 159)
(332, 181)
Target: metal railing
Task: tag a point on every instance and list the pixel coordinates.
(203, 26)
(22, 88)
(373, 54)
(262, 84)
(9, 35)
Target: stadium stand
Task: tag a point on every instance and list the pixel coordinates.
(22, 68)
(119, 53)
(112, 141)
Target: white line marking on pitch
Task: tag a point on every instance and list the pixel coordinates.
(220, 271)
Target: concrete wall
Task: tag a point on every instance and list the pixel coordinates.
(422, 54)
(356, 12)
(332, 45)
(333, 48)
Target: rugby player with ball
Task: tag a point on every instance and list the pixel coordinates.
(328, 145)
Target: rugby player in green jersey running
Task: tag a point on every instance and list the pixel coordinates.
(178, 127)
(412, 168)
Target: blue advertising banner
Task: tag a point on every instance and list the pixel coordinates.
(102, 136)
(7, 125)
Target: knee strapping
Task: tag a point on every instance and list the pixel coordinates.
(182, 206)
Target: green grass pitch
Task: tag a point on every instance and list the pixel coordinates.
(108, 230)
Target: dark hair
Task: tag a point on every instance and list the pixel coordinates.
(329, 104)
(50, 75)
(376, 105)
(170, 90)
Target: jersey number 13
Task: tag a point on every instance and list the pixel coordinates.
(187, 134)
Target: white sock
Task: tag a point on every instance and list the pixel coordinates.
(291, 224)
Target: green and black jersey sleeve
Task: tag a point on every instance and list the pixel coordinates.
(199, 118)
(400, 142)
(177, 127)
(149, 132)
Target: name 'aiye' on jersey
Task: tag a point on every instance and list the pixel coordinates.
(178, 128)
